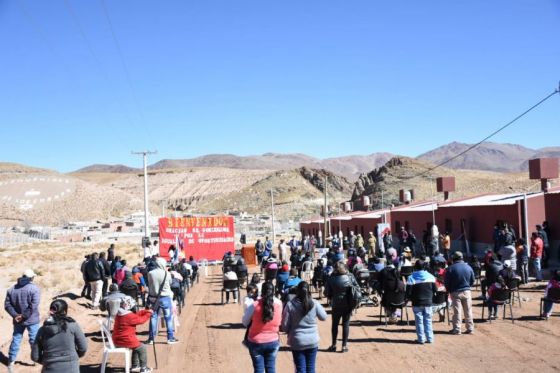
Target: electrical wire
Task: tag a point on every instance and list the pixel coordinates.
(125, 67)
(430, 169)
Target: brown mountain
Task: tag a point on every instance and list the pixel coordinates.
(349, 166)
(487, 156)
(402, 173)
(110, 168)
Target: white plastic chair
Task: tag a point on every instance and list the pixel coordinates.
(109, 347)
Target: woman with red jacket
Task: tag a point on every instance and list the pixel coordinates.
(124, 333)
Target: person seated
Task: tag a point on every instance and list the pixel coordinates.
(439, 308)
(354, 262)
(392, 289)
(376, 265)
(124, 333)
(493, 269)
(282, 276)
(508, 273)
(492, 303)
(112, 302)
(554, 283)
(241, 267)
(230, 275)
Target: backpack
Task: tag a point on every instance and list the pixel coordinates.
(354, 294)
(175, 283)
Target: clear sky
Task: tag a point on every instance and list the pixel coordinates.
(321, 77)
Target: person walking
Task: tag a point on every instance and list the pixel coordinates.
(22, 304)
(420, 290)
(161, 298)
(459, 279)
(336, 290)
(299, 321)
(124, 333)
(60, 342)
(95, 273)
(263, 319)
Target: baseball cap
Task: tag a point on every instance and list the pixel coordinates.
(29, 273)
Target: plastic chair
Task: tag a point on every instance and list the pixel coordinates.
(307, 271)
(501, 297)
(230, 286)
(109, 348)
(553, 296)
(513, 285)
(396, 300)
(440, 298)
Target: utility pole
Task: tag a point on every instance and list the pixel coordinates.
(146, 205)
(272, 208)
(325, 215)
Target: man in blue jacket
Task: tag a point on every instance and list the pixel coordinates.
(22, 303)
(458, 281)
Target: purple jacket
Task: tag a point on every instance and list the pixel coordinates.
(23, 299)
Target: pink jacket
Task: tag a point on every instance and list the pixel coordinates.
(260, 332)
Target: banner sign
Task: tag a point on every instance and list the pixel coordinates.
(203, 237)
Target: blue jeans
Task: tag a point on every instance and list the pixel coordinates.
(423, 317)
(17, 336)
(537, 268)
(165, 304)
(304, 360)
(263, 356)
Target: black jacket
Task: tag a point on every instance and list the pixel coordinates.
(421, 289)
(94, 271)
(337, 290)
(493, 270)
(130, 288)
(106, 267)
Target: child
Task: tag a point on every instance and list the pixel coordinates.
(252, 295)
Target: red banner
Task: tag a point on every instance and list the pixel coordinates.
(203, 237)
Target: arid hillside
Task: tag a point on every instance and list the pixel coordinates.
(400, 173)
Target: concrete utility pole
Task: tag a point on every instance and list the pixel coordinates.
(326, 213)
(146, 205)
(272, 208)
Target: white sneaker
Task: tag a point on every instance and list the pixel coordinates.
(12, 367)
(235, 301)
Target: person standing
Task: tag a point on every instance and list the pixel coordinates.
(263, 319)
(420, 290)
(546, 246)
(86, 290)
(161, 297)
(107, 274)
(459, 279)
(60, 341)
(372, 245)
(446, 243)
(336, 290)
(95, 273)
(299, 321)
(522, 260)
(111, 253)
(22, 304)
(537, 247)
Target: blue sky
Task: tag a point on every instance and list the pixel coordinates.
(325, 78)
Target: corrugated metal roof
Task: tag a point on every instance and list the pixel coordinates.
(426, 206)
(491, 200)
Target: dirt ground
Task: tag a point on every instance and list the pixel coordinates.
(210, 337)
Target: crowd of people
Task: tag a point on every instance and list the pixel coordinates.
(430, 277)
(350, 272)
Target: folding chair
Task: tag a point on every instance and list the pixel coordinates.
(501, 297)
(513, 285)
(440, 298)
(109, 348)
(552, 296)
(230, 286)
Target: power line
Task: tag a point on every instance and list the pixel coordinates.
(487, 137)
(124, 66)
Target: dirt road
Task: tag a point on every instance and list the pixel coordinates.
(211, 334)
